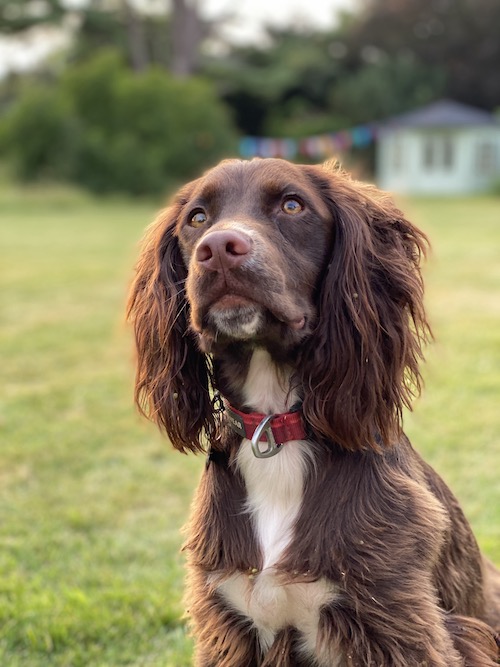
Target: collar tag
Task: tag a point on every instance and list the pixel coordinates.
(236, 422)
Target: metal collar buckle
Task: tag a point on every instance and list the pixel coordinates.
(273, 447)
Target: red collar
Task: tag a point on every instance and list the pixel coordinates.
(285, 427)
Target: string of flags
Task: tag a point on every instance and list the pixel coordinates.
(314, 147)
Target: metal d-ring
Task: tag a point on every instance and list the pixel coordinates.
(273, 447)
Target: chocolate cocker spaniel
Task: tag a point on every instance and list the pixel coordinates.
(279, 321)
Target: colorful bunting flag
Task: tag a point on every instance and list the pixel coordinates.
(315, 147)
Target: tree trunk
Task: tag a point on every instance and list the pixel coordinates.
(188, 31)
(136, 38)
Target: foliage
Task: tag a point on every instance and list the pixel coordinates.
(287, 80)
(109, 129)
(16, 16)
(92, 499)
(166, 36)
(388, 57)
(40, 134)
(109, 26)
(459, 36)
(384, 58)
(303, 83)
(392, 85)
(99, 29)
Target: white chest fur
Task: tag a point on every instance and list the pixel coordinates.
(275, 485)
(274, 497)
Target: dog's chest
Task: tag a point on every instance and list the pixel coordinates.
(275, 488)
(275, 485)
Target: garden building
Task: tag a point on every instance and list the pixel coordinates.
(444, 148)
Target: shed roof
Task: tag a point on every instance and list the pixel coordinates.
(443, 113)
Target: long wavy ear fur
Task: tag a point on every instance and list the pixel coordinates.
(173, 377)
(361, 365)
(477, 642)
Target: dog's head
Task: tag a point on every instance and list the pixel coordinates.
(254, 238)
(317, 268)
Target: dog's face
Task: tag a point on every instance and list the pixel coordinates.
(322, 271)
(254, 236)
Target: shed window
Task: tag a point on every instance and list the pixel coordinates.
(486, 158)
(397, 153)
(438, 152)
(447, 152)
(429, 152)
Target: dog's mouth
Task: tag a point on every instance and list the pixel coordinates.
(230, 301)
(234, 317)
(239, 317)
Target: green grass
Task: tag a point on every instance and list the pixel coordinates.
(456, 424)
(92, 499)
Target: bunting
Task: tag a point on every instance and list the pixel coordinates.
(316, 147)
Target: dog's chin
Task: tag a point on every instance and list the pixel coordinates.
(235, 319)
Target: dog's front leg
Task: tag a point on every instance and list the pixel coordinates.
(377, 632)
(224, 638)
(282, 653)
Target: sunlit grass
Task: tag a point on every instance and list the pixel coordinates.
(457, 423)
(92, 499)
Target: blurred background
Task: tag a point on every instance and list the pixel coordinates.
(106, 107)
(136, 96)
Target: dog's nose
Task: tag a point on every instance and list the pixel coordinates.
(222, 250)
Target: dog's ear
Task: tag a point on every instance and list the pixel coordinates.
(173, 376)
(361, 365)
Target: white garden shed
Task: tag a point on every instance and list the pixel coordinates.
(443, 148)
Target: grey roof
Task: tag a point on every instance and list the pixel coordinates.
(443, 113)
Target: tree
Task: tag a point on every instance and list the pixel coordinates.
(188, 32)
(136, 37)
(110, 129)
(386, 87)
(388, 57)
(278, 86)
(101, 23)
(16, 16)
(173, 39)
(459, 36)
(116, 24)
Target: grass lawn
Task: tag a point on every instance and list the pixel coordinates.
(92, 499)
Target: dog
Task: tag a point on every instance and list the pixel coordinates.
(279, 323)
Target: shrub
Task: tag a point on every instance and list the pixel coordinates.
(40, 135)
(111, 129)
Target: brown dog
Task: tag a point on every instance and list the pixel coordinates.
(279, 317)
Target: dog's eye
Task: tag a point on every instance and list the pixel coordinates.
(198, 218)
(292, 206)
